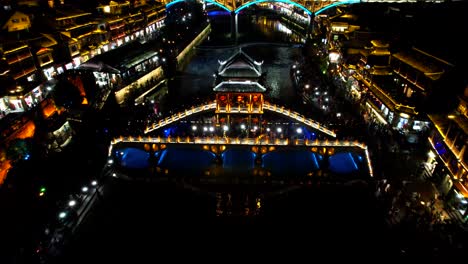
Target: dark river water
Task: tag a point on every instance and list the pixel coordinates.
(259, 37)
(144, 221)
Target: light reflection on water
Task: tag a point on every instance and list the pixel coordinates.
(197, 77)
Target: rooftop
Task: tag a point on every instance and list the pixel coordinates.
(431, 66)
(240, 65)
(240, 87)
(121, 59)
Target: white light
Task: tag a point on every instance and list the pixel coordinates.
(317, 93)
(279, 130)
(334, 57)
(294, 66)
(110, 161)
(94, 183)
(49, 88)
(299, 130)
(431, 154)
(114, 175)
(225, 128)
(242, 126)
(152, 101)
(84, 189)
(268, 129)
(62, 215)
(194, 128)
(325, 93)
(307, 86)
(211, 129)
(298, 71)
(205, 129)
(255, 127)
(338, 114)
(72, 203)
(326, 99)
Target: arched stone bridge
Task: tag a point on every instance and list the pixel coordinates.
(218, 145)
(211, 106)
(311, 7)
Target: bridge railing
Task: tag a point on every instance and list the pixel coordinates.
(181, 115)
(298, 117)
(242, 141)
(238, 141)
(266, 106)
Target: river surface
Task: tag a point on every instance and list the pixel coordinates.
(265, 40)
(146, 220)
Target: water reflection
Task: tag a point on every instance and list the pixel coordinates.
(238, 204)
(276, 29)
(264, 39)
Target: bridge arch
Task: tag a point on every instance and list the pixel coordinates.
(282, 1)
(342, 2)
(294, 3)
(209, 1)
(267, 106)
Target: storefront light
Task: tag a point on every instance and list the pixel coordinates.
(404, 115)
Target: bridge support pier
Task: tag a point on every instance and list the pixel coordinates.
(234, 26)
(310, 27)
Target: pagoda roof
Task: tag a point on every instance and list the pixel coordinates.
(239, 87)
(240, 65)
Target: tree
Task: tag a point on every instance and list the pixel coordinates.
(19, 149)
(66, 95)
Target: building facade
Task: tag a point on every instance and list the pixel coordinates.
(448, 159)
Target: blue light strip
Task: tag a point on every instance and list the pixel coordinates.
(344, 2)
(315, 160)
(352, 159)
(174, 2)
(210, 1)
(282, 1)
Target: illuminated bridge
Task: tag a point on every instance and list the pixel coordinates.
(311, 7)
(254, 156)
(215, 156)
(212, 106)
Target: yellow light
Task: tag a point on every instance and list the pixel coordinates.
(451, 116)
(404, 115)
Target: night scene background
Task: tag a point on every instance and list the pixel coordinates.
(144, 129)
